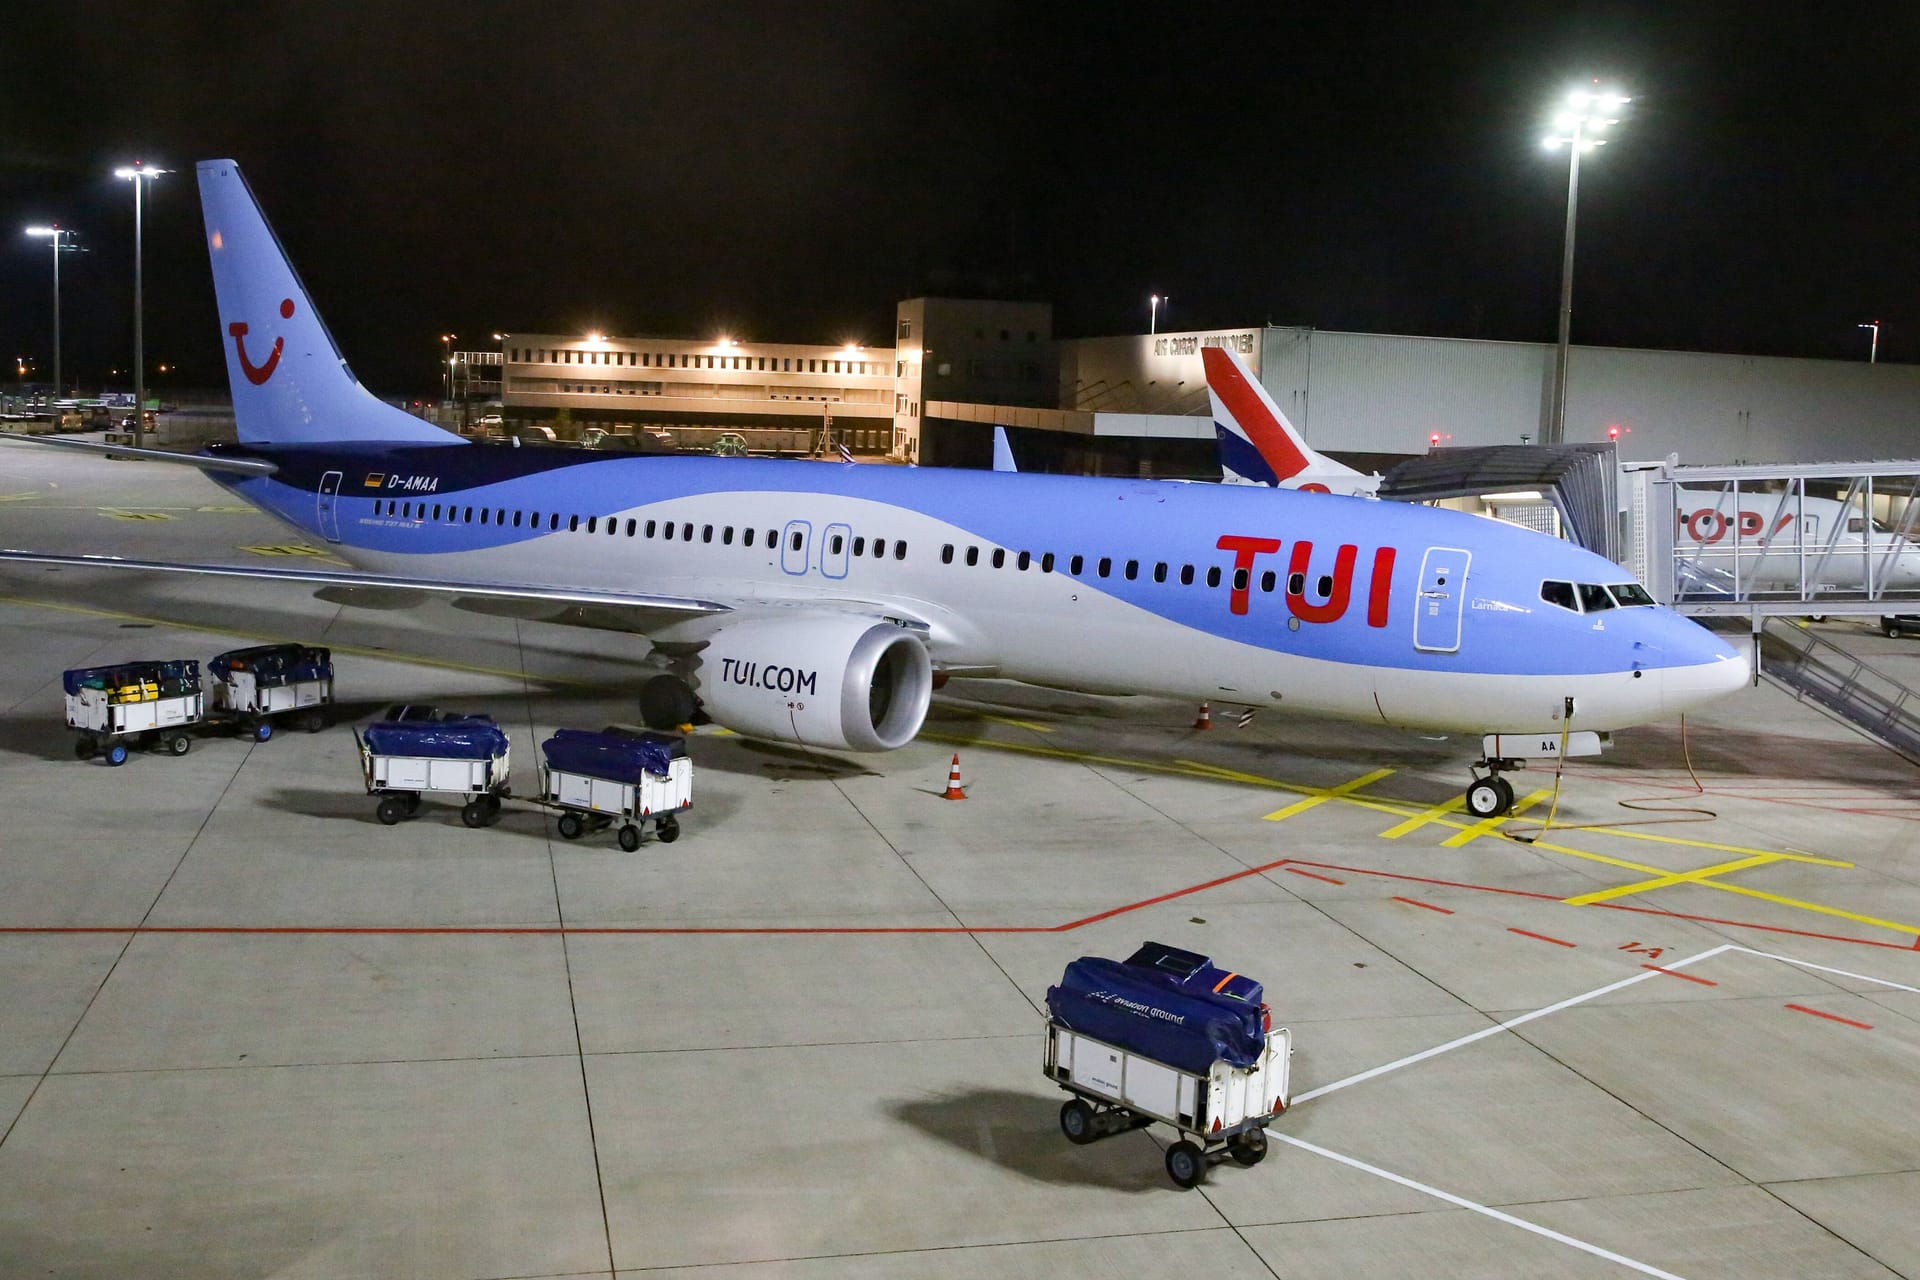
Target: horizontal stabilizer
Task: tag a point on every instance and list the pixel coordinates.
(237, 466)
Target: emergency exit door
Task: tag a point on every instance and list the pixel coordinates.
(328, 506)
(1436, 615)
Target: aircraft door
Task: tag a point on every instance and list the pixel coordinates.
(833, 550)
(1437, 611)
(327, 506)
(793, 546)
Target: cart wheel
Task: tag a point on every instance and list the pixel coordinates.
(117, 754)
(629, 837)
(390, 810)
(262, 731)
(1076, 1121)
(493, 803)
(1249, 1149)
(571, 826)
(180, 744)
(668, 829)
(474, 813)
(85, 748)
(314, 721)
(412, 802)
(1185, 1164)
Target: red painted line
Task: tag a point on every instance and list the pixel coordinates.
(1415, 902)
(1831, 1017)
(1165, 897)
(1675, 973)
(1558, 942)
(1313, 876)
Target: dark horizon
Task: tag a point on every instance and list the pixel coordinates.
(785, 174)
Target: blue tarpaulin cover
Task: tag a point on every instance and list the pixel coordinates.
(473, 738)
(183, 670)
(613, 756)
(1157, 1014)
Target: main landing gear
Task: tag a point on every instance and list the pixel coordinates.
(1491, 796)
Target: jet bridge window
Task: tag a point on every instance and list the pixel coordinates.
(1631, 595)
(1594, 598)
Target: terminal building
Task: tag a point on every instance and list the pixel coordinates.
(1136, 404)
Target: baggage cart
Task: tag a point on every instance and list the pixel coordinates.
(285, 683)
(1158, 1038)
(115, 708)
(401, 761)
(597, 779)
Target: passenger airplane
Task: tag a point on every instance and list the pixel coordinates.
(822, 603)
(1257, 443)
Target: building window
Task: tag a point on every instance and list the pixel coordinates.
(906, 328)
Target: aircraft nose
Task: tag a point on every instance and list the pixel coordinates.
(1701, 667)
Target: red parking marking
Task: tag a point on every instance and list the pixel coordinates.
(1831, 1017)
(1415, 902)
(1558, 942)
(1312, 876)
(1675, 973)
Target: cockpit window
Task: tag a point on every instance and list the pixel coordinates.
(1560, 593)
(1594, 598)
(1630, 594)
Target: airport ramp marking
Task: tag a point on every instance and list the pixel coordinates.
(289, 549)
(1434, 814)
(1487, 826)
(17, 497)
(1330, 793)
(1672, 878)
(118, 514)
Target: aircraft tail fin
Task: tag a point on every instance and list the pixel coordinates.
(1002, 451)
(290, 383)
(1257, 443)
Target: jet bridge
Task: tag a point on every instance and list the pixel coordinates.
(1761, 541)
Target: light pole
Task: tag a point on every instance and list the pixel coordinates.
(1873, 352)
(446, 360)
(1154, 304)
(140, 176)
(1585, 114)
(62, 240)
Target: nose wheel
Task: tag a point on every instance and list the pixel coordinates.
(1491, 796)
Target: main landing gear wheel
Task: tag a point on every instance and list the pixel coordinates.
(1489, 797)
(629, 837)
(1185, 1164)
(1076, 1121)
(571, 826)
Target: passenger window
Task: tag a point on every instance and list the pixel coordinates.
(1267, 581)
(879, 548)
(973, 556)
(1186, 575)
(900, 550)
(833, 548)
(1160, 572)
(946, 554)
(669, 531)
(1133, 570)
(1106, 566)
(1594, 598)
(1296, 584)
(468, 518)
(553, 523)
(516, 519)
(726, 536)
(1325, 585)
(1022, 560)
(436, 511)
(706, 534)
(1213, 575)
(1240, 579)
(593, 523)
(859, 546)
(613, 526)
(795, 540)
(999, 557)
(633, 527)
(1046, 563)
(686, 532)
(1075, 565)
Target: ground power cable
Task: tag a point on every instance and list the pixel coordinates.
(1639, 804)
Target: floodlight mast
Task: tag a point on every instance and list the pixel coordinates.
(140, 174)
(1585, 113)
(62, 239)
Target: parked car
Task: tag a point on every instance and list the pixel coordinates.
(1900, 624)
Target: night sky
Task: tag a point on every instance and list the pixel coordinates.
(785, 172)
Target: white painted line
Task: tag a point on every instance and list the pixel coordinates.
(1844, 973)
(1488, 1211)
(1508, 1025)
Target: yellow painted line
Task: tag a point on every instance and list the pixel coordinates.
(134, 515)
(1671, 878)
(1331, 793)
(17, 497)
(236, 511)
(284, 549)
(381, 655)
(1032, 726)
(1414, 823)
(1815, 907)
(1718, 848)
(1487, 826)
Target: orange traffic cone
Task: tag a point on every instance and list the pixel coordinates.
(1206, 717)
(954, 790)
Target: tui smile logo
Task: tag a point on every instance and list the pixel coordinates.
(258, 375)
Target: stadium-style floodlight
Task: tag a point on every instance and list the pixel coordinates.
(140, 174)
(1154, 304)
(62, 240)
(1873, 352)
(1582, 114)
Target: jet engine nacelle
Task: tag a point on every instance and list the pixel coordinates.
(844, 683)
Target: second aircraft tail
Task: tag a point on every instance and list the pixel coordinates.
(1257, 443)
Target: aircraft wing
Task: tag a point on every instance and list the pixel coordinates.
(674, 605)
(238, 466)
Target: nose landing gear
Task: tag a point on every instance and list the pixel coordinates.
(1491, 796)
